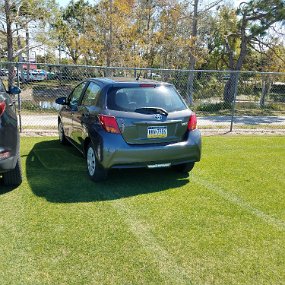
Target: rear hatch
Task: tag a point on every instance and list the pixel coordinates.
(149, 113)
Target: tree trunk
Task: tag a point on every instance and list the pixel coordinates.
(110, 39)
(190, 87)
(192, 61)
(9, 44)
(28, 52)
(232, 83)
(230, 88)
(266, 86)
(20, 69)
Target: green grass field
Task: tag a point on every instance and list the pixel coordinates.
(224, 224)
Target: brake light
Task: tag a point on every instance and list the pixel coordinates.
(109, 124)
(4, 154)
(2, 108)
(192, 123)
(147, 85)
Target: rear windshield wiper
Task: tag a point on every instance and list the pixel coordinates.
(152, 110)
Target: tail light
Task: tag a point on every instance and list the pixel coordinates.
(147, 85)
(109, 124)
(192, 124)
(2, 108)
(4, 153)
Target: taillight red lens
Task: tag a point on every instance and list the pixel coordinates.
(147, 85)
(4, 154)
(2, 108)
(192, 124)
(109, 124)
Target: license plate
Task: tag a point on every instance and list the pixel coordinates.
(156, 132)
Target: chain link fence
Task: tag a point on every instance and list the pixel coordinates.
(223, 100)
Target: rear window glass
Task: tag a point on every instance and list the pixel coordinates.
(131, 98)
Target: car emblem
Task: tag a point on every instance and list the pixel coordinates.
(158, 117)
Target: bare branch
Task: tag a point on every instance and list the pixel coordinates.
(229, 51)
(278, 31)
(17, 29)
(4, 29)
(210, 6)
(18, 52)
(269, 46)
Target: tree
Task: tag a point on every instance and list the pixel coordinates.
(271, 59)
(146, 29)
(70, 27)
(74, 26)
(173, 38)
(194, 47)
(254, 19)
(15, 17)
(113, 34)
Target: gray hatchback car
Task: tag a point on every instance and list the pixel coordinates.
(128, 123)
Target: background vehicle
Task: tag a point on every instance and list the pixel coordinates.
(10, 165)
(125, 123)
(34, 75)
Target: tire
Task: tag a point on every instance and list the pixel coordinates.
(184, 167)
(95, 170)
(61, 135)
(14, 176)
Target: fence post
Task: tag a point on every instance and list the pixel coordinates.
(234, 101)
(19, 98)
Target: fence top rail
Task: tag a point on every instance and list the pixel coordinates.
(149, 69)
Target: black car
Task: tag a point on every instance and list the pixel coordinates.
(10, 165)
(128, 123)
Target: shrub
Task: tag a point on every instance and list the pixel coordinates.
(213, 107)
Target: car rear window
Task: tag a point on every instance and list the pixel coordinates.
(131, 98)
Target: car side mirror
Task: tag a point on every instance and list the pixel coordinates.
(61, 101)
(14, 90)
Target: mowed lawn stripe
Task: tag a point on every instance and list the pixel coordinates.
(167, 265)
(67, 233)
(254, 174)
(142, 227)
(238, 201)
(214, 240)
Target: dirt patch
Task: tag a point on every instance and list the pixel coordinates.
(249, 132)
(39, 133)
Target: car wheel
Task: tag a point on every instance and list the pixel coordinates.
(95, 170)
(14, 176)
(184, 167)
(61, 135)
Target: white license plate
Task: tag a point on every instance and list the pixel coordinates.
(156, 132)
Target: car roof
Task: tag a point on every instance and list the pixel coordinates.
(118, 80)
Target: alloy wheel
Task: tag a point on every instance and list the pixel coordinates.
(91, 161)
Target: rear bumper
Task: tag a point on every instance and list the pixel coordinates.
(8, 164)
(9, 143)
(116, 153)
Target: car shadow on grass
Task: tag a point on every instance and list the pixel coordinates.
(5, 189)
(58, 174)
